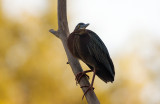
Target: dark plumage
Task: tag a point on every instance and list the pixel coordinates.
(86, 45)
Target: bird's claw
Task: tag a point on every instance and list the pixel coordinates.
(89, 88)
(79, 76)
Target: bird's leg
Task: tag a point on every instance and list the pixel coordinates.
(81, 74)
(91, 86)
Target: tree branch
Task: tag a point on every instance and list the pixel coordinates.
(62, 33)
(54, 32)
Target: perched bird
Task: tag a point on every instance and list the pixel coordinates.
(86, 45)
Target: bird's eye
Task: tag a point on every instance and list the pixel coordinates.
(78, 26)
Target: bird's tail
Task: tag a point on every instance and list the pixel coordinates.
(104, 75)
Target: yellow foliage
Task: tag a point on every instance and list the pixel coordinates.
(33, 67)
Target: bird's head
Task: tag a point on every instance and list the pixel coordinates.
(81, 26)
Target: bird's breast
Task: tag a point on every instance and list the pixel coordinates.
(77, 45)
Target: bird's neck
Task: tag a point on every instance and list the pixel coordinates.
(80, 32)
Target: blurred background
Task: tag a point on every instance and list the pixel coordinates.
(33, 67)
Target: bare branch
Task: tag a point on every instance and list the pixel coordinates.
(54, 32)
(62, 33)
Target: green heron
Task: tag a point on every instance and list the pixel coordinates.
(86, 45)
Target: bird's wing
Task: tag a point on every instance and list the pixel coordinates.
(99, 51)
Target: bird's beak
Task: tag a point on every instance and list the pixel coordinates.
(84, 26)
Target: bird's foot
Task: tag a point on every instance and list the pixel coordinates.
(79, 76)
(89, 88)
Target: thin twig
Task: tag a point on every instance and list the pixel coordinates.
(54, 32)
